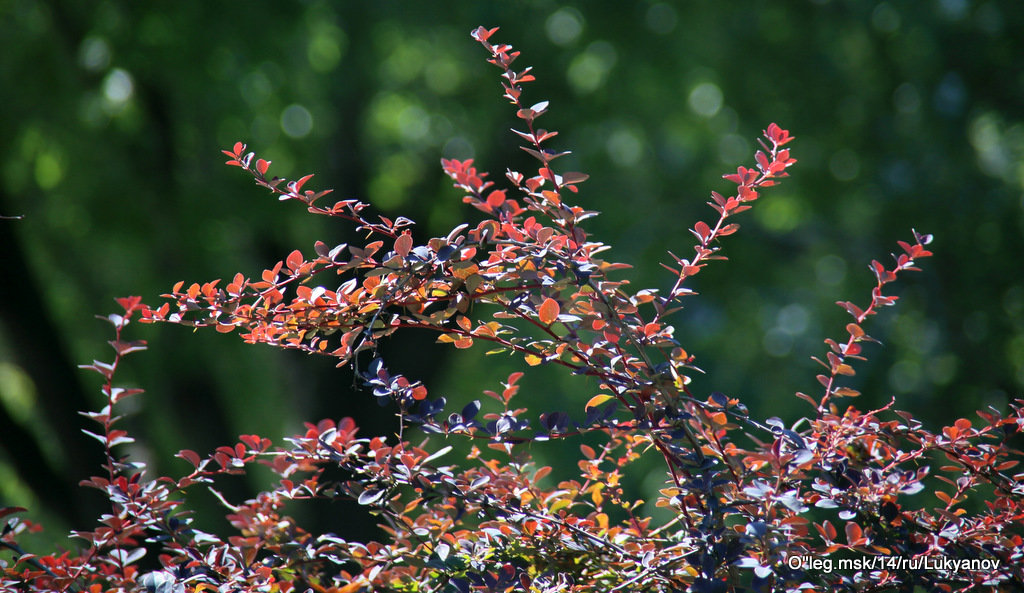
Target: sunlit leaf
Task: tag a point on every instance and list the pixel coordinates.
(548, 311)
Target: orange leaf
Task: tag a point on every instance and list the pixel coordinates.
(548, 311)
(845, 369)
(294, 260)
(552, 196)
(597, 400)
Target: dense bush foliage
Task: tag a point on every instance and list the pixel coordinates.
(836, 499)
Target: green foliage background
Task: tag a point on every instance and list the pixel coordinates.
(907, 114)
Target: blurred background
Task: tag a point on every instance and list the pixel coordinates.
(907, 114)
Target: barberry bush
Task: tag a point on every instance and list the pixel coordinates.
(841, 498)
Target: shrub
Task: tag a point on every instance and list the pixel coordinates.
(832, 500)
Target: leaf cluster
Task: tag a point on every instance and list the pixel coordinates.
(746, 497)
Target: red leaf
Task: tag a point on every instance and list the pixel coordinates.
(574, 177)
(762, 160)
(496, 198)
(853, 533)
(403, 244)
(122, 347)
(851, 308)
(119, 393)
(728, 229)
(830, 531)
(189, 456)
(130, 303)
(295, 186)
(702, 230)
(251, 440)
(777, 135)
(262, 166)
(10, 510)
(482, 34)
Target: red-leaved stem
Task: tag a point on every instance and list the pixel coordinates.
(771, 166)
(840, 354)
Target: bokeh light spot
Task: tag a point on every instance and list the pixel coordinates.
(885, 19)
(118, 87)
(443, 76)
(906, 98)
(94, 54)
(705, 99)
(49, 170)
(296, 121)
(589, 70)
(662, 18)
(733, 148)
(326, 48)
(844, 165)
(413, 124)
(905, 376)
(780, 214)
(830, 270)
(625, 147)
(564, 26)
(950, 95)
